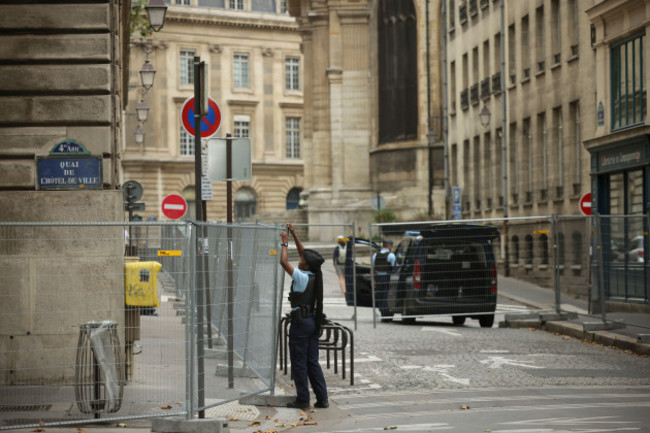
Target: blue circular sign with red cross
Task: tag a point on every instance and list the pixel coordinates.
(210, 123)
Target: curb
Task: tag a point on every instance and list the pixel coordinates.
(577, 330)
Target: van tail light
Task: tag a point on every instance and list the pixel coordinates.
(641, 253)
(493, 280)
(417, 276)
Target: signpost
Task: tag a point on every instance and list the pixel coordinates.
(585, 204)
(174, 206)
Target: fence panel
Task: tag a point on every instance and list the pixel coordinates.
(241, 313)
(71, 349)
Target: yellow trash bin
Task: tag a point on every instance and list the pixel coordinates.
(140, 284)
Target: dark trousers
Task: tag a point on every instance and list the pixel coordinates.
(382, 283)
(303, 349)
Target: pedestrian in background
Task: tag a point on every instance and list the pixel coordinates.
(340, 254)
(383, 263)
(306, 297)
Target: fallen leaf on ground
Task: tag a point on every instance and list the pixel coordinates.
(393, 427)
(464, 407)
(167, 406)
(254, 423)
(40, 429)
(121, 425)
(234, 419)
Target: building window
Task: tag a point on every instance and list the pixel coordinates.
(183, 2)
(515, 249)
(237, 5)
(556, 25)
(530, 254)
(189, 194)
(398, 71)
(187, 66)
(245, 204)
(292, 73)
(283, 7)
(576, 238)
(543, 239)
(560, 249)
(240, 71)
(628, 76)
(293, 137)
(242, 126)
(293, 197)
(525, 48)
(187, 143)
(540, 38)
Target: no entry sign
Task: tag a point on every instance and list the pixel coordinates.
(585, 204)
(174, 206)
(210, 123)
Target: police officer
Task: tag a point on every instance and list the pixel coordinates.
(383, 263)
(306, 299)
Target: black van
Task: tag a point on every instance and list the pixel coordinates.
(446, 269)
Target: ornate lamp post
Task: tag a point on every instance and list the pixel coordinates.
(156, 11)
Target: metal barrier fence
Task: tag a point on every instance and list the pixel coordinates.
(621, 243)
(63, 285)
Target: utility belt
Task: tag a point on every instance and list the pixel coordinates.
(301, 312)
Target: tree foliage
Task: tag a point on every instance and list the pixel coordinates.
(139, 23)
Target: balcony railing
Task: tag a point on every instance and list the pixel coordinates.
(473, 94)
(464, 99)
(485, 88)
(462, 13)
(496, 82)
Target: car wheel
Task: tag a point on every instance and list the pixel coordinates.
(486, 321)
(458, 320)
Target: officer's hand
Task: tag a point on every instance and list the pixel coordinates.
(291, 229)
(284, 236)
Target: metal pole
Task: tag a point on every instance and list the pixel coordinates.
(372, 276)
(555, 227)
(504, 149)
(231, 361)
(601, 270)
(189, 333)
(445, 137)
(354, 274)
(199, 235)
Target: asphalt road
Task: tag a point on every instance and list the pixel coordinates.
(434, 376)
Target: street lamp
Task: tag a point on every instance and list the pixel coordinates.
(139, 135)
(484, 116)
(147, 74)
(142, 109)
(156, 11)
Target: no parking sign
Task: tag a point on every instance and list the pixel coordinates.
(210, 123)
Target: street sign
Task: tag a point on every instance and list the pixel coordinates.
(377, 202)
(174, 206)
(241, 168)
(132, 191)
(206, 188)
(69, 172)
(210, 123)
(585, 204)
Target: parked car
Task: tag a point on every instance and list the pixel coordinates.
(357, 264)
(635, 250)
(446, 269)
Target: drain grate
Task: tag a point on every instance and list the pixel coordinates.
(25, 408)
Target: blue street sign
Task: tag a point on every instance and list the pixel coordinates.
(81, 172)
(456, 196)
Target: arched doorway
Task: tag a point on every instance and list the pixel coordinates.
(293, 197)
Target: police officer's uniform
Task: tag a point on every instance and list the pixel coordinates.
(303, 338)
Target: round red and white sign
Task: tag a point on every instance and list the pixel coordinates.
(585, 204)
(174, 206)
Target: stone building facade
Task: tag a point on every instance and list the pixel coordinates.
(520, 62)
(372, 110)
(254, 67)
(62, 72)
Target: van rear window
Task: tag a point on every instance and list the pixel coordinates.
(468, 254)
